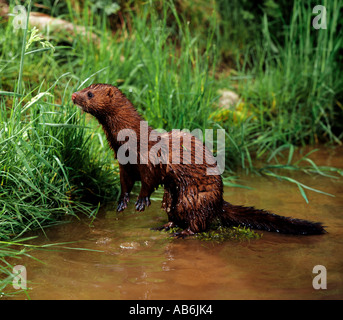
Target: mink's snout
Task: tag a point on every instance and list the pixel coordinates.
(73, 97)
(76, 97)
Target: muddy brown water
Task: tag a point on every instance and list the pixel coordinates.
(134, 262)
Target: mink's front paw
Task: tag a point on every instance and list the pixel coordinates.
(123, 202)
(141, 203)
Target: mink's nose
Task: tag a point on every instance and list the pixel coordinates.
(73, 97)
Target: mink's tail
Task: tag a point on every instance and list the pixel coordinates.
(264, 220)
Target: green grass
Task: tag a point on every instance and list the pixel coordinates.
(50, 164)
(290, 84)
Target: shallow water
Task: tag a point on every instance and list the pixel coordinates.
(138, 263)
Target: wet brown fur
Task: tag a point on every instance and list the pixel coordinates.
(192, 198)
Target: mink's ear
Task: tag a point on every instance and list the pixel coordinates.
(110, 92)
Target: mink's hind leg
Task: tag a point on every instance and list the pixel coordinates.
(167, 200)
(184, 233)
(165, 227)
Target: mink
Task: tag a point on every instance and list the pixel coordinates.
(193, 199)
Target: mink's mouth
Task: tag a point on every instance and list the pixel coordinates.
(80, 107)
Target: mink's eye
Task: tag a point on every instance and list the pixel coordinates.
(90, 94)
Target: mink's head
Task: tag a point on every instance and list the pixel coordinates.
(98, 99)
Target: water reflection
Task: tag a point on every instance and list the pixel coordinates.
(133, 262)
